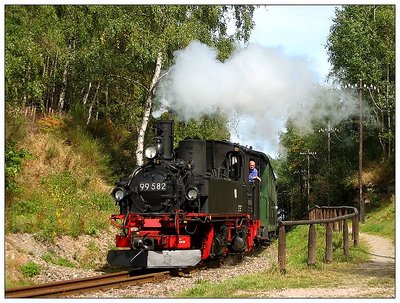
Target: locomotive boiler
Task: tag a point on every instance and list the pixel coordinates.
(192, 203)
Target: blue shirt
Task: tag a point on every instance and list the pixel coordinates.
(253, 173)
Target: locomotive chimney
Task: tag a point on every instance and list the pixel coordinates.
(165, 131)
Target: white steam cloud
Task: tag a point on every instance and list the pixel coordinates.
(259, 86)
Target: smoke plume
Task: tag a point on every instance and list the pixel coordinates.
(258, 87)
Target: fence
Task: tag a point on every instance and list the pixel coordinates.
(32, 112)
(334, 218)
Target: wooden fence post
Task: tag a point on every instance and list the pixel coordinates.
(345, 238)
(282, 249)
(355, 230)
(311, 245)
(329, 246)
(336, 223)
(339, 216)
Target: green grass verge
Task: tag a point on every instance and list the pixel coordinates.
(381, 221)
(61, 205)
(298, 274)
(343, 269)
(69, 196)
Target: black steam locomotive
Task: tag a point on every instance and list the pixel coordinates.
(193, 203)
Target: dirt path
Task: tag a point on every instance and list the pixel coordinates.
(361, 278)
(381, 249)
(382, 252)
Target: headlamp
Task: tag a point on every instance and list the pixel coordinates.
(192, 194)
(118, 193)
(150, 152)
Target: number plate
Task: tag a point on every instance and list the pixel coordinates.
(152, 186)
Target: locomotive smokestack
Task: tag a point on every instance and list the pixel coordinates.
(165, 131)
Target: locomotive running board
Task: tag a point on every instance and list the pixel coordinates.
(154, 259)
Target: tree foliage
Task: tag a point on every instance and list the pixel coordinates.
(361, 46)
(100, 62)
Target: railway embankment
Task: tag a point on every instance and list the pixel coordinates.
(370, 273)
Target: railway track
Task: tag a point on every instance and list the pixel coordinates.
(107, 281)
(85, 285)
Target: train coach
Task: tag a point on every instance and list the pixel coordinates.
(193, 203)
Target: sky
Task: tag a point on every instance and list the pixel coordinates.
(300, 30)
(281, 73)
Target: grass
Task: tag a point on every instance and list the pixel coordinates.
(60, 205)
(258, 285)
(62, 186)
(298, 274)
(51, 257)
(30, 269)
(381, 221)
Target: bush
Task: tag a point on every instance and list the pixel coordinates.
(30, 269)
(13, 163)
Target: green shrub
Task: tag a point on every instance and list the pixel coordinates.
(60, 206)
(64, 262)
(15, 132)
(14, 158)
(30, 269)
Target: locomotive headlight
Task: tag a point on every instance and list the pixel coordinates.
(150, 152)
(119, 193)
(192, 194)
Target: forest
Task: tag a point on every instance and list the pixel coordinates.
(99, 67)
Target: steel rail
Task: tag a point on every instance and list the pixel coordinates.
(66, 288)
(84, 285)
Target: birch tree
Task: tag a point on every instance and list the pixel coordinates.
(108, 59)
(173, 27)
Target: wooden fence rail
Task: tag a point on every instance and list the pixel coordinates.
(331, 217)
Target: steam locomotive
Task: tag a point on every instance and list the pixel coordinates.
(192, 204)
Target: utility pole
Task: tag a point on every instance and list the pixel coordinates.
(308, 153)
(360, 88)
(329, 130)
(360, 155)
(300, 172)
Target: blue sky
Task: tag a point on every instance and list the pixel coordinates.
(299, 30)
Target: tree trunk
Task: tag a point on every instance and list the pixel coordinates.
(61, 100)
(45, 76)
(91, 105)
(85, 98)
(147, 110)
(53, 75)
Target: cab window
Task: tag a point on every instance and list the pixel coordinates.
(234, 165)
